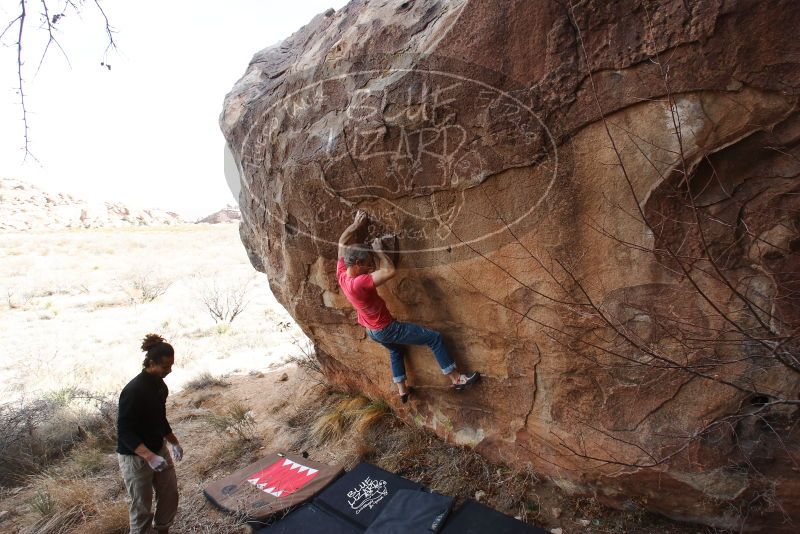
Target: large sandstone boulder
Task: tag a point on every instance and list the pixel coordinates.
(597, 206)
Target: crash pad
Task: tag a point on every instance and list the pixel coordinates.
(270, 485)
(412, 511)
(361, 494)
(474, 518)
(309, 519)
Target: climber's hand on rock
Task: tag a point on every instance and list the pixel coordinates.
(377, 244)
(361, 218)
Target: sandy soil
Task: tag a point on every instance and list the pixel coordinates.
(73, 313)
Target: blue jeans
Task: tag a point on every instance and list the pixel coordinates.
(396, 334)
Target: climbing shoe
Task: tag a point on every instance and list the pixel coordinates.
(404, 396)
(466, 380)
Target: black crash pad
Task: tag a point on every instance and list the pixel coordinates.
(412, 511)
(308, 519)
(361, 494)
(475, 518)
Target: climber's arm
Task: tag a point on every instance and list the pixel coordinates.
(386, 270)
(350, 231)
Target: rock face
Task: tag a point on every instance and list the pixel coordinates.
(225, 215)
(26, 207)
(598, 207)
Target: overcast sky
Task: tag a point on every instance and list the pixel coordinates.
(144, 132)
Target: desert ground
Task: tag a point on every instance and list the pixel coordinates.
(77, 303)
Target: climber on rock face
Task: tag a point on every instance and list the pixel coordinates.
(359, 280)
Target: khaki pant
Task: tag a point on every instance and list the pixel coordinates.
(140, 481)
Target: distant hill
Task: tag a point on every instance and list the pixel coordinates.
(24, 206)
(229, 213)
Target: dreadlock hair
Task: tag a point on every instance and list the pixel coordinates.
(157, 349)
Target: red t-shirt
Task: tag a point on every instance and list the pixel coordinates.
(360, 291)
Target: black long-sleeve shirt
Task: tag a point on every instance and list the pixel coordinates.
(142, 416)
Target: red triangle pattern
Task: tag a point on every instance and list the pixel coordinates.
(282, 478)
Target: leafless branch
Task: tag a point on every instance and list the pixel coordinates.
(49, 26)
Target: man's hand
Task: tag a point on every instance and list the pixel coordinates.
(361, 218)
(157, 463)
(349, 232)
(177, 451)
(385, 271)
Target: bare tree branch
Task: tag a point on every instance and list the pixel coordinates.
(23, 36)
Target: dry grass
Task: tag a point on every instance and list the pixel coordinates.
(62, 504)
(89, 459)
(112, 518)
(42, 431)
(83, 492)
(197, 517)
(329, 426)
(205, 380)
(329, 417)
(350, 429)
(237, 442)
(368, 416)
(237, 420)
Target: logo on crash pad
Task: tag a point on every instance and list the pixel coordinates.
(369, 493)
(282, 478)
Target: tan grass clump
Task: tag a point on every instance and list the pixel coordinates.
(329, 417)
(63, 504)
(329, 426)
(346, 416)
(368, 416)
(112, 518)
(205, 380)
(351, 405)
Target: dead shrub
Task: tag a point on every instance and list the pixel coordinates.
(144, 286)
(16, 299)
(307, 361)
(36, 433)
(224, 302)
